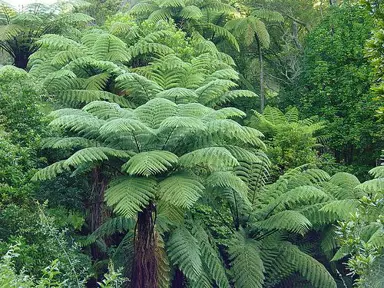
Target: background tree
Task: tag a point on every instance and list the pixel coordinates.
(252, 31)
(335, 84)
(20, 30)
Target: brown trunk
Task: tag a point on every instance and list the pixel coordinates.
(262, 96)
(144, 272)
(97, 209)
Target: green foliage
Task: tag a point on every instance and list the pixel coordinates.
(335, 85)
(291, 142)
(10, 278)
(20, 30)
(361, 234)
(374, 50)
(190, 15)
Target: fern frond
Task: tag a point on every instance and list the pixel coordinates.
(50, 171)
(65, 143)
(212, 158)
(191, 12)
(210, 257)
(372, 186)
(179, 95)
(106, 110)
(232, 95)
(183, 122)
(143, 8)
(74, 18)
(309, 268)
(246, 265)
(214, 89)
(225, 113)
(129, 195)
(138, 86)
(171, 3)
(143, 48)
(95, 154)
(150, 163)
(303, 195)
(288, 220)
(223, 33)
(270, 16)
(110, 227)
(75, 97)
(342, 208)
(377, 172)
(155, 111)
(184, 252)
(108, 47)
(163, 266)
(377, 239)
(229, 180)
(181, 190)
(345, 180)
(160, 14)
(82, 124)
(58, 42)
(292, 115)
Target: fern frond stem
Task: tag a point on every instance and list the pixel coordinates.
(266, 234)
(169, 137)
(237, 224)
(341, 277)
(271, 210)
(137, 143)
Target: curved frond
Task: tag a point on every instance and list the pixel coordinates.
(129, 195)
(246, 264)
(212, 158)
(150, 163)
(288, 220)
(50, 171)
(184, 252)
(181, 190)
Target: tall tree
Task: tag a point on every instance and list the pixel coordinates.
(252, 30)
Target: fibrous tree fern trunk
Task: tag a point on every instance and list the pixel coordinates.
(144, 272)
(97, 208)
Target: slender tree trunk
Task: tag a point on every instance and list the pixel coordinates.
(295, 35)
(97, 208)
(261, 95)
(144, 272)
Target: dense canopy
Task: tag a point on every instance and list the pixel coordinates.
(191, 143)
